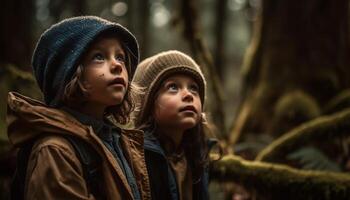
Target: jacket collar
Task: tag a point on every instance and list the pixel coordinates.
(28, 118)
(103, 128)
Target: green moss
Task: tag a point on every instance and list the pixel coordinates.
(281, 182)
(296, 104)
(292, 109)
(325, 128)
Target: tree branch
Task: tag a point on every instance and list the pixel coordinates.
(325, 127)
(281, 182)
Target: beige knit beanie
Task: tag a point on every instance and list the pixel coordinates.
(151, 72)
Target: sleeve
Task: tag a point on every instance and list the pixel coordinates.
(55, 173)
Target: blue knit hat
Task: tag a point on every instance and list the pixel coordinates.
(60, 47)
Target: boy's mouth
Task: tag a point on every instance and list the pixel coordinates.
(188, 108)
(118, 80)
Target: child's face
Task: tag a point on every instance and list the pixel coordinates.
(105, 76)
(178, 105)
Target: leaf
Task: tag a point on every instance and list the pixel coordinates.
(313, 158)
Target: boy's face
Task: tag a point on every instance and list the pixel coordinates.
(178, 105)
(104, 72)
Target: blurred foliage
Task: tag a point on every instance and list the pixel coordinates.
(292, 109)
(312, 158)
(13, 78)
(252, 145)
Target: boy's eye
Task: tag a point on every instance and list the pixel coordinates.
(97, 57)
(120, 58)
(172, 87)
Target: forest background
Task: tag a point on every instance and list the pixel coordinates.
(278, 74)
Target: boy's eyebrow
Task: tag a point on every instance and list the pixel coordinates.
(102, 48)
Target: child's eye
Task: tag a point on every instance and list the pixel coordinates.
(97, 57)
(172, 87)
(120, 58)
(194, 88)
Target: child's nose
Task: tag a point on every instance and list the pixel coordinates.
(187, 96)
(116, 66)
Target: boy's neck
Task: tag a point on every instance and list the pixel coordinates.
(93, 111)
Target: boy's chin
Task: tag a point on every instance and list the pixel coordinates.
(117, 100)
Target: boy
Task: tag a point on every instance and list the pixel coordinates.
(83, 66)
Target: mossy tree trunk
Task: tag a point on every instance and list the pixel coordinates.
(144, 26)
(297, 46)
(274, 181)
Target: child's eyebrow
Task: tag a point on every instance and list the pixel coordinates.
(120, 49)
(102, 48)
(193, 82)
(170, 80)
(166, 83)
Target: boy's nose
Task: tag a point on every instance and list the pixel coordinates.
(116, 66)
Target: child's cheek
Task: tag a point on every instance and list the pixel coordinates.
(172, 106)
(166, 107)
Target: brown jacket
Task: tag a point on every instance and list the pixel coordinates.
(54, 171)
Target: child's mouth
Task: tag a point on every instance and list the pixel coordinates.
(188, 108)
(117, 81)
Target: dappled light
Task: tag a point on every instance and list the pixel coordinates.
(119, 9)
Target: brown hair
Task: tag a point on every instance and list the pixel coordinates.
(76, 95)
(194, 143)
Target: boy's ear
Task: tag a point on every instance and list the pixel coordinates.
(86, 85)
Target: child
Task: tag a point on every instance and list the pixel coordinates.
(170, 111)
(83, 66)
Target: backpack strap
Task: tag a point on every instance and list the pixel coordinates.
(18, 179)
(91, 163)
(88, 157)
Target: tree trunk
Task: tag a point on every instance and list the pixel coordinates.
(144, 26)
(221, 15)
(79, 7)
(16, 33)
(297, 46)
